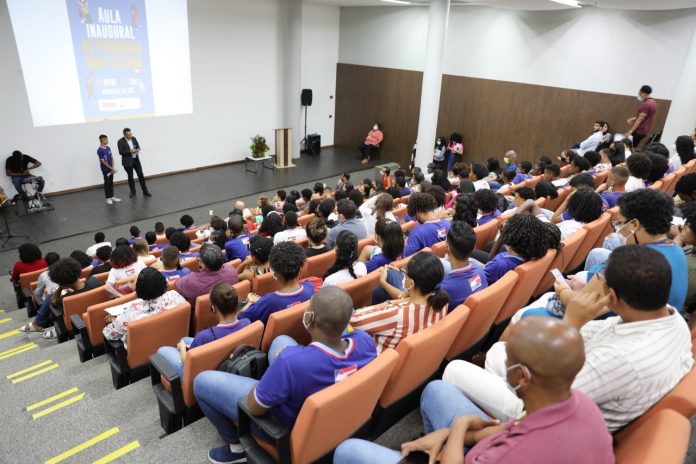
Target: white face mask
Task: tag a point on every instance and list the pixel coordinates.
(307, 321)
(375, 127)
(614, 241)
(438, 143)
(514, 366)
(640, 99)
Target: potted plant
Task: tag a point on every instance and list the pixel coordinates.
(258, 146)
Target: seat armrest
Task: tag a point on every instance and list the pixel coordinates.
(160, 367)
(57, 312)
(116, 349)
(268, 426)
(79, 326)
(27, 293)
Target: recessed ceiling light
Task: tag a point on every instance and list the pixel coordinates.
(573, 3)
(400, 2)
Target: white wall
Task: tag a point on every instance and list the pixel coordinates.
(587, 49)
(236, 82)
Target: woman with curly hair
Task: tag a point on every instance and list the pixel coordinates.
(316, 238)
(465, 209)
(272, 224)
(346, 267)
(257, 262)
(583, 207)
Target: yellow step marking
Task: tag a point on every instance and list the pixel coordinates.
(58, 406)
(83, 446)
(27, 348)
(118, 453)
(2, 310)
(35, 373)
(29, 369)
(7, 319)
(31, 407)
(9, 334)
(10, 352)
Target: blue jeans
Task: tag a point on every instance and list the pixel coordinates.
(395, 278)
(17, 182)
(43, 314)
(596, 256)
(172, 355)
(441, 403)
(218, 392)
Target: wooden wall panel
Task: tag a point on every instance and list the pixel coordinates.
(493, 116)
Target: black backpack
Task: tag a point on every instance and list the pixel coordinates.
(246, 361)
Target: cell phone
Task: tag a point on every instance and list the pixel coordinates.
(415, 457)
(558, 276)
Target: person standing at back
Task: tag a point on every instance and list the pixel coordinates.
(106, 163)
(642, 123)
(129, 149)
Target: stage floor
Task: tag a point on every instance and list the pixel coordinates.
(86, 211)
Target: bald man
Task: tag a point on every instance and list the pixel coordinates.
(544, 355)
(295, 372)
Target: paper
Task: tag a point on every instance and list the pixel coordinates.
(117, 310)
(677, 221)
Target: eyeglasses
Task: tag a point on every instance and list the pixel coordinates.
(600, 275)
(618, 225)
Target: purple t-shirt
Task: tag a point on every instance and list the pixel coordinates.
(275, 301)
(462, 282)
(649, 108)
(223, 329)
(610, 198)
(175, 273)
(520, 177)
(486, 218)
(200, 283)
(237, 248)
(104, 153)
(499, 265)
(426, 234)
(155, 246)
(376, 262)
(300, 371)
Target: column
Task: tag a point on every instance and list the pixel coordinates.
(432, 81)
(290, 38)
(681, 119)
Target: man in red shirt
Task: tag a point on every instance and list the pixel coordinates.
(642, 123)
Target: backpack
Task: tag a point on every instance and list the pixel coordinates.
(246, 361)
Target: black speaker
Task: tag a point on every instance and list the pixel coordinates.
(306, 97)
(314, 143)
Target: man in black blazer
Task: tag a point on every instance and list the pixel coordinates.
(129, 148)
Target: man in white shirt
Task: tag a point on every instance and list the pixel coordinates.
(592, 142)
(292, 232)
(99, 241)
(632, 359)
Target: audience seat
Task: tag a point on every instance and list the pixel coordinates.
(690, 166)
(25, 281)
(407, 227)
(304, 242)
(365, 242)
(594, 229)
(360, 289)
(440, 248)
(162, 240)
(157, 252)
(306, 219)
(175, 397)
(327, 418)
(191, 234)
(286, 322)
(420, 357)
(553, 203)
(204, 317)
(663, 439)
(483, 306)
(101, 277)
(400, 213)
(317, 265)
(191, 264)
(531, 183)
(564, 170)
(77, 305)
(659, 185)
(562, 260)
(486, 233)
(600, 178)
(397, 201)
(265, 283)
(197, 241)
(541, 202)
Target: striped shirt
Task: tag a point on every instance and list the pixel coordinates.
(389, 323)
(630, 366)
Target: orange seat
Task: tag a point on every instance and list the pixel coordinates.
(668, 182)
(600, 178)
(265, 283)
(365, 242)
(175, 394)
(27, 278)
(162, 240)
(400, 213)
(191, 264)
(486, 233)
(407, 227)
(78, 304)
(690, 166)
(541, 202)
(303, 242)
(531, 183)
(204, 317)
(483, 306)
(530, 274)
(663, 439)
(360, 289)
(553, 203)
(316, 266)
(317, 431)
(594, 229)
(306, 219)
(396, 202)
(562, 259)
(157, 252)
(439, 248)
(286, 322)
(564, 170)
(94, 323)
(658, 185)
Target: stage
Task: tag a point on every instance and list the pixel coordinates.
(86, 211)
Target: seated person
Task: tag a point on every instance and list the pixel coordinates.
(658, 168)
(605, 155)
(223, 303)
(687, 240)
(183, 243)
(479, 176)
(487, 204)
(583, 206)
(18, 167)
(44, 285)
(30, 260)
(639, 166)
(159, 229)
(141, 250)
(151, 239)
(579, 165)
(552, 173)
(631, 360)
(171, 264)
(295, 372)
(82, 258)
(466, 276)
(546, 189)
(187, 221)
(316, 236)
(211, 272)
(293, 232)
(389, 246)
(135, 234)
(66, 275)
(271, 225)
(523, 171)
(371, 143)
(615, 186)
(416, 306)
(377, 207)
(125, 268)
(430, 228)
(325, 211)
(99, 241)
(543, 360)
(347, 221)
(257, 263)
(153, 298)
(236, 248)
(593, 158)
(346, 267)
(104, 257)
(385, 177)
(522, 194)
(286, 260)
(685, 189)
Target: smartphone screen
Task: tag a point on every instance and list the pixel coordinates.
(415, 457)
(558, 276)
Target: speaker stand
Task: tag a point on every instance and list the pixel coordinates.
(303, 142)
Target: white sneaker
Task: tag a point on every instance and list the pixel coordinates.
(115, 199)
(109, 201)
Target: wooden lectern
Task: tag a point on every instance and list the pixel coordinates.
(283, 143)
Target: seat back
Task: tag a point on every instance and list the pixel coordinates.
(316, 266)
(668, 182)
(209, 356)
(681, 399)
(318, 430)
(533, 181)
(483, 306)
(147, 335)
(360, 289)
(594, 230)
(101, 277)
(191, 264)
(562, 258)
(530, 274)
(664, 439)
(27, 278)
(286, 322)
(407, 227)
(553, 203)
(486, 233)
(306, 219)
(95, 316)
(364, 242)
(690, 166)
(600, 178)
(78, 304)
(541, 202)
(439, 248)
(421, 354)
(204, 317)
(265, 283)
(400, 213)
(157, 252)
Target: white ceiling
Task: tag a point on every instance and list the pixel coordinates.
(537, 4)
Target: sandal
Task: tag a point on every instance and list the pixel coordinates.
(50, 333)
(30, 327)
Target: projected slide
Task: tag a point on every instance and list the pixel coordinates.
(95, 60)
